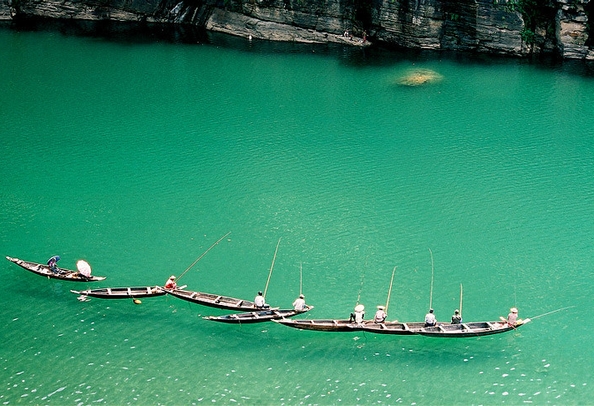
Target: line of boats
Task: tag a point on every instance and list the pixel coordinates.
(250, 313)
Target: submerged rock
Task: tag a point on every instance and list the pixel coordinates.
(418, 77)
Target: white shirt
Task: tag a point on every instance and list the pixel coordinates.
(259, 301)
(359, 317)
(512, 318)
(299, 304)
(380, 316)
(430, 319)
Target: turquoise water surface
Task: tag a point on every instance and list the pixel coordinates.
(138, 155)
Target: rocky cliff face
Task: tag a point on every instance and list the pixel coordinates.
(509, 27)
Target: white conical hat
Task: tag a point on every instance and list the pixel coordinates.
(359, 308)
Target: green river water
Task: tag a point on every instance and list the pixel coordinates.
(138, 155)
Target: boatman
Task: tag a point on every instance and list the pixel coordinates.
(456, 318)
(299, 303)
(512, 317)
(430, 319)
(359, 314)
(171, 284)
(84, 268)
(52, 263)
(380, 315)
(260, 302)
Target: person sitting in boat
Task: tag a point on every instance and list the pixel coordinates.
(52, 263)
(456, 318)
(430, 319)
(171, 284)
(380, 315)
(84, 269)
(358, 315)
(512, 317)
(299, 303)
(260, 302)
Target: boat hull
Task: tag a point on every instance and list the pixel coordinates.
(122, 293)
(476, 329)
(257, 316)
(212, 300)
(443, 330)
(63, 274)
(329, 325)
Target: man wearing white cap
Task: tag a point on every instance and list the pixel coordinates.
(430, 319)
(512, 317)
(299, 303)
(380, 315)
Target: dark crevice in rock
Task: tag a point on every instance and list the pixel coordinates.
(589, 10)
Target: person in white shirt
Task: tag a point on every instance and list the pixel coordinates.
(359, 314)
(430, 319)
(380, 315)
(299, 303)
(259, 301)
(512, 317)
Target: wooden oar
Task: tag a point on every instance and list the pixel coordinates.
(202, 256)
(507, 321)
(271, 266)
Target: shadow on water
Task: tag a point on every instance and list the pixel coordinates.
(355, 57)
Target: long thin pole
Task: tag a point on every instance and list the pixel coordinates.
(460, 300)
(390, 290)
(360, 287)
(300, 278)
(431, 295)
(202, 255)
(272, 266)
(551, 312)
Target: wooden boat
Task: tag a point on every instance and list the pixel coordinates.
(474, 329)
(211, 300)
(257, 316)
(321, 324)
(44, 270)
(122, 293)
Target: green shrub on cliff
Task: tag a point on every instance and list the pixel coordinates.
(535, 13)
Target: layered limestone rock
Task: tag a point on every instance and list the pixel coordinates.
(469, 25)
(490, 26)
(250, 27)
(572, 29)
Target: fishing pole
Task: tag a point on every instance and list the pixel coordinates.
(272, 266)
(300, 278)
(390, 290)
(551, 312)
(431, 295)
(203, 255)
(460, 300)
(361, 287)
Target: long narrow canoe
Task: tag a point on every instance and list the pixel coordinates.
(321, 324)
(44, 270)
(257, 316)
(474, 329)
(122, 293)
(211, 300)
